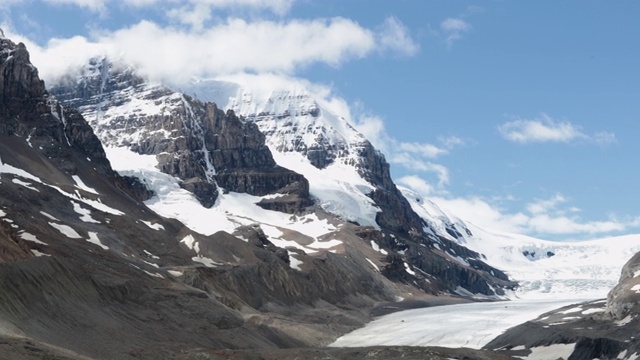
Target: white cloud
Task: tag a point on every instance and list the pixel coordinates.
(452, 29)
(416, 183)
(194, 16)
(233, 46)
(423, 149)
(542, 129)
(545, 217)
(546, 129)
(394, 36)
(546, 205)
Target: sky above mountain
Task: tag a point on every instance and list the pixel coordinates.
(521, 116)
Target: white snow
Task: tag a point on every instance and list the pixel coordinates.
(30, 237)
(51, 217)
(636, 288)
(93, 238)
(151, 255)
(38, 253)
(191, 243)
(25, 184)
(373, 264)
(2, 213)
(294, 262)
(408, 269)
(555, 351)
(66, 230)
(377, 248)
(153, 226)
(325, 244)
(205, 260)
(592, 311)
(81, 185)
(470, 325)
(85, 214)
(175, 273)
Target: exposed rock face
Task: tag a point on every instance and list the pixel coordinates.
(195, 141)
(624, 299)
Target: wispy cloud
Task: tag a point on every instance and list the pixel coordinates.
(394, 36)
(546, 129)
(453, 29)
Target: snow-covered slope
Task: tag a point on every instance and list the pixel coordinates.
(544, 269)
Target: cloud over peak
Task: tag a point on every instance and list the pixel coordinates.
(230, 46)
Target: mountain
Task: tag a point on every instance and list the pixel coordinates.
(283, 151)
(89, 270)
(137, 221)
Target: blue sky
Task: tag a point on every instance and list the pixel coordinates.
(516, 115)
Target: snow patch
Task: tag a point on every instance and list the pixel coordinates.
(93, 238)
(30, 237)
(555, 351)
(205, 260)
(153, 226)
(66, 230)
(38, 253)
(81, 185)
(28, 185)
(377, 248)
(373, 264)
(85, 214)
(191, 243)
(51, 217)
(294, 263)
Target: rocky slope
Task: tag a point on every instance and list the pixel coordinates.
(335, 171)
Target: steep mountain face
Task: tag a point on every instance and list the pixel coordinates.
(85, 266)
(329, 161)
